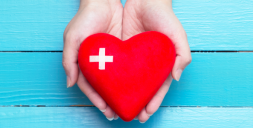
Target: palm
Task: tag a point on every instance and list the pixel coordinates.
(145, 16)
(101, 18)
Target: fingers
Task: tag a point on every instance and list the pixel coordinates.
(177, 34)
(143, 116)
(183, 52)
(90, 92)
(168, 24)
(116, 117)
(69, 59)
(181, 62)
(95, 98)
(109, 113)
(156, 101)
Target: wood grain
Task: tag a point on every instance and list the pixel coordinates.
(173, 117)
(212, 79)
(38, 25)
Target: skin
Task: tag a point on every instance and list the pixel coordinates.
(157, 15)
(93, 16)
(108, 16)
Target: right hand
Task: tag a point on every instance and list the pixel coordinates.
(157, 15)
(93, 16)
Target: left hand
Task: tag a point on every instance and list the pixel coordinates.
(93, 16)
(157, 15)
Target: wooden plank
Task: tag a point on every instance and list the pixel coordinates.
(173, 117)
(36, 79)
(212, 79)
(217, 24)
(31, 25)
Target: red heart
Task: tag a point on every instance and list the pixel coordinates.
(132, 71)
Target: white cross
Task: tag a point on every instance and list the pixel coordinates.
(101, 59)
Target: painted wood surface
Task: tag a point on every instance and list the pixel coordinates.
(221, 82)
(38, 25)
(212, 79)
(172, 117)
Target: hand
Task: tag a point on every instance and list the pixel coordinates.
(157, 15)
(93, 16)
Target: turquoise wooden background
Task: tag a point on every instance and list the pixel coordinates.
(215, 90)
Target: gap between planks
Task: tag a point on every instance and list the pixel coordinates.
(94, 106)
(192, 51)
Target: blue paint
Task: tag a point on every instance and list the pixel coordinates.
(123, 2)
(33, 25)
(212, 79)
(172, 117)
(210, 25)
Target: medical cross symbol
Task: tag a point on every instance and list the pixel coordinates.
(101, 59)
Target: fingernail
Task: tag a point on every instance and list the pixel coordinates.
(142, 122)
(110, 119)
(150, 114)
(135, 118)
(68, 82)
(103, 110)
(178, 74)
(116, 118)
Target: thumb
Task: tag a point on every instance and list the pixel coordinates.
(181, 62)
(183, 53)
(69, 59)
(175, 31)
